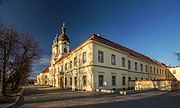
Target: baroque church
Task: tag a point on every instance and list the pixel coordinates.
(97, 63)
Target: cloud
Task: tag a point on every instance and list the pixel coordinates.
(44, 60)
(40, 66)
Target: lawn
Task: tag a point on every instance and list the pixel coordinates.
(10, 97)
(7, 99)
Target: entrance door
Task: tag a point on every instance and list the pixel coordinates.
(61, 82)
(65, 82)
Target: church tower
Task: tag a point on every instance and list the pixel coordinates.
(60, 45)
(63, 42)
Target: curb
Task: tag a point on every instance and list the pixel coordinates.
(129, 92)
(18, 100)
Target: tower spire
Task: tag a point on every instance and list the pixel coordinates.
(63, 28)
(63, 36)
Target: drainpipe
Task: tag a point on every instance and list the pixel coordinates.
(148, 69)
(79, 74)
(54, 75)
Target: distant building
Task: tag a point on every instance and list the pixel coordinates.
(44, 78)
(97, 63)
(174, 73)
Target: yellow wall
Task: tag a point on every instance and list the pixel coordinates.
(160, 85)
(92, 68)
(42, 80)
(176, 75)
(76, 71)
(108, 70)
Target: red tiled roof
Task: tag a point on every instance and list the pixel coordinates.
(116, 46)
(75, 48)
(46, 70)
(122, 48)
(173, 66)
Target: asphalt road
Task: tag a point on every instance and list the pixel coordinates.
(167, 100)
(45, 97)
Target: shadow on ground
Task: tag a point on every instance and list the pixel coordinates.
(168, 100)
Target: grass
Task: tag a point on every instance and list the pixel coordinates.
(9, 91)
(7, 99)
(10, 97)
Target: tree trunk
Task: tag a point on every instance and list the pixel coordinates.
(12, 86)
(0, 83)
(3, 84)
(17, 84)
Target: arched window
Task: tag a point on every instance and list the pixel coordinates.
(65, 43)
(65, 50)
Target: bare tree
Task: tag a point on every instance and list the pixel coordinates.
(178, 55)
(26, 56)
(8, 40)
(17, 54)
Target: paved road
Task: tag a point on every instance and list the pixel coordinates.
(165, 100)
(45, 97)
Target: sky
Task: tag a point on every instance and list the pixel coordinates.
(151, 27)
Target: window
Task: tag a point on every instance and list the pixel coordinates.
(65, 50)
(75, 61)
(70, 64)
(101, 80)
(113, 80)
(61, 68)
(65, 81)
(141, 67)
(113, 59)
(123, 62)
(129, 64)
(135, 66)
(70, 81)
(150, 69)
(174, 71)
(65, 66)
(129, 78)
(154, 70)
(75, 81)
(100, 56)
(84, 57)
(65, 43)
(84, 80)
(146, 68)
(136, 78)
(157, 71)
(160, 72)
(123, 80)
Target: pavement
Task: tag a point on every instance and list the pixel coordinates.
(48, 97)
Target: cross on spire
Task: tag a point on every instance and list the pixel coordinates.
(63, 28)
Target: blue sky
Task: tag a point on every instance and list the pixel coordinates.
(151, 27)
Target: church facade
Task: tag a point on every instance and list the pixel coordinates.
(98, 63)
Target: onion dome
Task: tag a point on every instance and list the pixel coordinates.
(63, 36)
